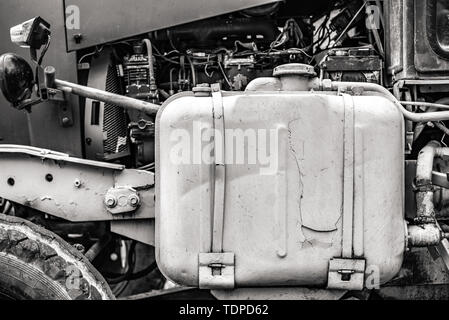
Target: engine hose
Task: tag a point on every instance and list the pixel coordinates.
(150, 63)
(426, 104)
(143, 272)
(415, 117)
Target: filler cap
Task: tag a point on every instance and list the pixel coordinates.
(294, 69)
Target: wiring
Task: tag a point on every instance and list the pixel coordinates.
(130, 275)
(96, 51)
(348, 27)
(224, 75)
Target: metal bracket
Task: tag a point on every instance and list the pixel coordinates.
(216, 270)
(71, 188)
(346, 274)
(50, 93)
(348, 177)
(120, 200)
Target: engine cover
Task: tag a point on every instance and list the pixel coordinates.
(307, 179)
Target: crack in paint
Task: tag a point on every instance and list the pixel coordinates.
(301, 184)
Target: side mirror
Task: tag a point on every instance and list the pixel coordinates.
(16, 79)
(32, 34)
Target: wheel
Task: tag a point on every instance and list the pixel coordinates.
(36, 264)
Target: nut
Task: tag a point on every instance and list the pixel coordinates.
(134, 200)
(110, 201)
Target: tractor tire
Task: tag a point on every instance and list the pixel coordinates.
(36, 264)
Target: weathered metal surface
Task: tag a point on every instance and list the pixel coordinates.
(410, 54)
(43, 126)
(422, 276)
(216, 270)
(415, 292)
(177, 293)
(103, 21)
(278, 294)
(443, 251)
(140, 230)
(121, 199)
(346, 274)
(410, 203)
(70, 188)
(280, 228)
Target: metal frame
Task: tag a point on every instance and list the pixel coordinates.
(71, 188)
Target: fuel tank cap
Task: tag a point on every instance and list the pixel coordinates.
(294, 69)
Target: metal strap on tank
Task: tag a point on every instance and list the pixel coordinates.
(216, 268)
(346, 272)
(348, 177)
(220, 169)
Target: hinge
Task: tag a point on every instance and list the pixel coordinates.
(216, 270)
(346, 274)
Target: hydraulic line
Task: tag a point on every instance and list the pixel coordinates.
(415, 117)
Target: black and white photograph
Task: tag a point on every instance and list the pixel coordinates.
(224, 154)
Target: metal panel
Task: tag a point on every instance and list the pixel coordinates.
(103, 21)
(410, 53)
(71, 188)
(44, 124)
(141, 230)
(426, 59)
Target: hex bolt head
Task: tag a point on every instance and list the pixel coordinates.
(134, 200)
(110, 201)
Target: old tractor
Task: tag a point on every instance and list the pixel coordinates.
(254, 149)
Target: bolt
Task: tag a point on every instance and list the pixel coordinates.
(65, 121)
(134, 200)
(110, 201)
(77, 183)
(78, 37)
(79, 247)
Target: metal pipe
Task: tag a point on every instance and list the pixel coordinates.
(150, 63)
(415, 117)
(424, 166)
(424, 235)
(426, 231)
(107, 97)
(425, 104)
(97, 247)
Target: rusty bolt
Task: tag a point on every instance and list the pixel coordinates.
(134, 200)
(79, 247)
(110, 201)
